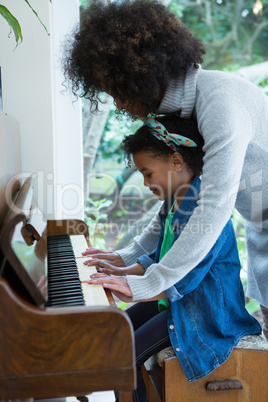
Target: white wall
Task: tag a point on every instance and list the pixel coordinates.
(50, 124)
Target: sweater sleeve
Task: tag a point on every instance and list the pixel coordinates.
(226, 127)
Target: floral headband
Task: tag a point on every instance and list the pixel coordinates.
(171, 140)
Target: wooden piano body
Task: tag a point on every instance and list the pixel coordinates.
(48, 352)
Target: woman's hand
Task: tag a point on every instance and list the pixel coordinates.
(105, 267)
(117, 284)
(112, 257)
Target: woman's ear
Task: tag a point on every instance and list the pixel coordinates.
(177, 161)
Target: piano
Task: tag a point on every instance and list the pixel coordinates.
(59, 336)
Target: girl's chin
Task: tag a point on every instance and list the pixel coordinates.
(160, 195)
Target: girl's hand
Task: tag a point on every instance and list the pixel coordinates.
(114, 258)
(117, 284)
(105, 267)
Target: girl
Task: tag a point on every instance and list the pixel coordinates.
(204, 316)
(140, 53)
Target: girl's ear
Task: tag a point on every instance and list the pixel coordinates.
(177, 161)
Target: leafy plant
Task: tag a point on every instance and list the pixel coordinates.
(14, 23)
(93, 216)
(230, 30)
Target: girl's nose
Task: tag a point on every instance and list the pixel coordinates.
(145, 182)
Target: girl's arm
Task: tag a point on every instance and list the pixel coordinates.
(113, 257)
(143, 244)
(109, 269)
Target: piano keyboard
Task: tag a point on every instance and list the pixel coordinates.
(67, 274)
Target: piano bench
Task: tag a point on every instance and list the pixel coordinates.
(242, 378)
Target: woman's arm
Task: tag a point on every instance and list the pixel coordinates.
(227, 129)
(119, 286)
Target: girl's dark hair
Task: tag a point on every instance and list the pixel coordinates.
(143, 140)
(131, 48)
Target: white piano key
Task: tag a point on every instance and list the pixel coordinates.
(79, 245)
(84, 271)
(94, 295)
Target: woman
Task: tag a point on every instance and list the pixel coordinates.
(140, 53)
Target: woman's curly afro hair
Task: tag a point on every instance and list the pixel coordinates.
(131, 49)
(144, 141)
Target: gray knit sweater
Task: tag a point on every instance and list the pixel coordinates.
(232, 116)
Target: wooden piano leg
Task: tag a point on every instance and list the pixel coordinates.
(125, 396)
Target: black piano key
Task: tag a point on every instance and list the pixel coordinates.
(62, 292)
(57, 282)
(72, 269)
(64, 284)
(61, 265)
(62, 275)
(70, 296)
(66, 297)
(64, 287)
(65, 303)
(63, 256)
